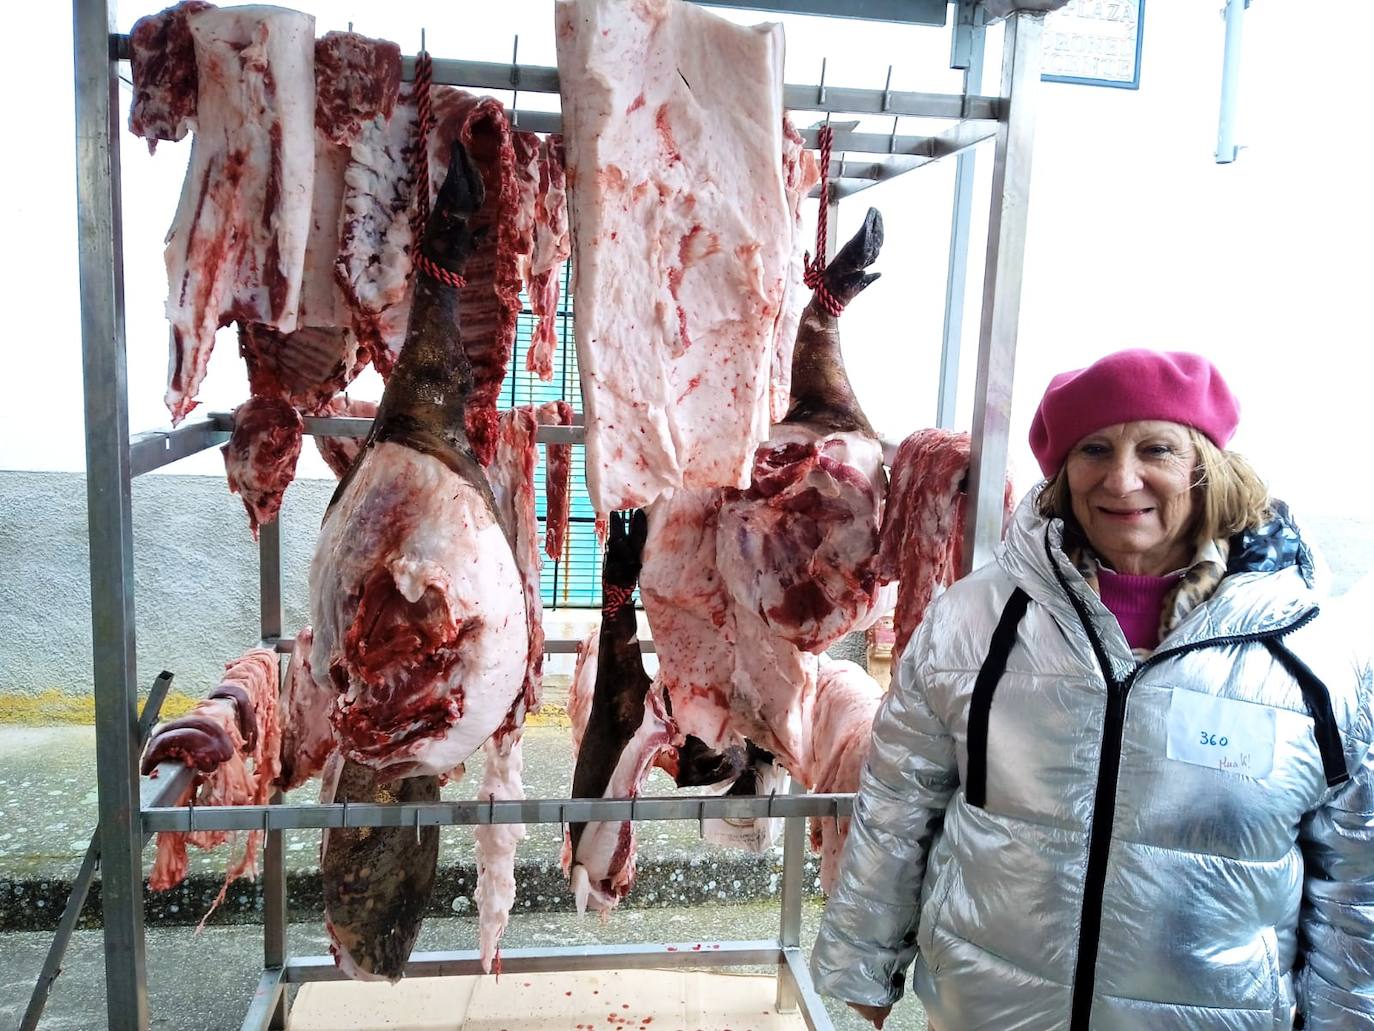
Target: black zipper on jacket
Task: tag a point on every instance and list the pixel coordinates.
(1104, 800)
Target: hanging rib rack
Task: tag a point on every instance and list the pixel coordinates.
(129, 810)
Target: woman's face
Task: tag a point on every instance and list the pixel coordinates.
(1131, 488)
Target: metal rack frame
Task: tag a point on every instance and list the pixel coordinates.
(130, 809)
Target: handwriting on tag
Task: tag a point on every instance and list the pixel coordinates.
(1221, 734)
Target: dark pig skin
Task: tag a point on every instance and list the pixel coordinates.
(378, 880)
(821, 393)
(621, 682)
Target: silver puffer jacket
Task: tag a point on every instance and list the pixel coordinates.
(1102, 884)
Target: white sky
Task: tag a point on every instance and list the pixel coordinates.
(1137, 237)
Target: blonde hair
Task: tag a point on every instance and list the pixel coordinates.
(1229, 494)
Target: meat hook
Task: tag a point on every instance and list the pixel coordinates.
(632, 808)
(892, 139)
(491, 807)
(837, 817)
(820, 89)
(422, 39)
(887, 89)
(515, 82)
(701, 821)
(350, 26)
(191, 814)
(345, 812)
(771, 795)
(266, 819)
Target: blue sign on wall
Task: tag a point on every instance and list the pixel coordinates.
(1094, 42)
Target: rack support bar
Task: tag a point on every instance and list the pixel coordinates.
(1011, 174)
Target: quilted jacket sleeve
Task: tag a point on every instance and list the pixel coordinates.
(868, 934)
(1336, 984)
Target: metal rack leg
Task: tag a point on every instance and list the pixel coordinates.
(274, 859)
(1011, 175)
(109, 508)
(789, 931)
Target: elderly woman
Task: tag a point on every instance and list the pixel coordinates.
(1123, 778)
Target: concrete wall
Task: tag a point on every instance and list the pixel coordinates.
(196, 581)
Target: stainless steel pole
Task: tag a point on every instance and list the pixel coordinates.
(274, 860)
(966, 52)
(1230, 82)
(1011, 173)
(109, 510)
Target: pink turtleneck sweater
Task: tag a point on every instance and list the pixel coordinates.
(1136, 602)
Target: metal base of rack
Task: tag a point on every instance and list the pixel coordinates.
(794, 980)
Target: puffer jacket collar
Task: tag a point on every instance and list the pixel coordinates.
(1271, 584)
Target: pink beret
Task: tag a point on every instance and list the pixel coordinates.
(1171, 386)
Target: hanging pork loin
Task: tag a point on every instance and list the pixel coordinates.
(417, 604)
(627, 727)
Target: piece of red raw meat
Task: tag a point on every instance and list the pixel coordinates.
(307, 738)
(557, 478)
(260, 458)
(339, 453)
(551, 248)
(240, 718)
(162, 60)
(357, 79)
(923, 528)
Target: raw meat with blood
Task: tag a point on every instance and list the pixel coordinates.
(236, 725)
(841, 734)
(526, 146)
(582, 689)
(737, 583)
(418, 609)
(375, 234)
(162, 60)
(339, 453)
(419, 612)
(551, 248)
(307, 739)
(691, 614)
(557, 478)
(236, 248)
(357, 79)
(305, 368)
(682, 236)
(626, 730)
(923, 528)
(511, 473)
(260, 458)
(800, 173)
(798, 547)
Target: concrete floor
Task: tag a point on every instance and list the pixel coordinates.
(203, 982)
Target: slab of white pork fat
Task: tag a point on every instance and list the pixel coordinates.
(841, 734)
(236, 248)
(672, 122)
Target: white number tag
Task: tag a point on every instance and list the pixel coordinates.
(1221, 734)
